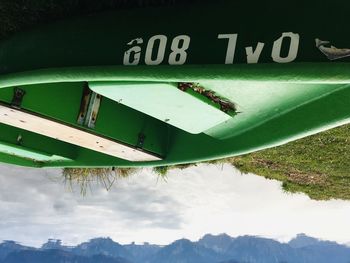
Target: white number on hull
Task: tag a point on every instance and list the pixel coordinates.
(179, 47)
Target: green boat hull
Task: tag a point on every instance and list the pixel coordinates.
(284, 83)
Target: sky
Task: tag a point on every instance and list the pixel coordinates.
(36, 205)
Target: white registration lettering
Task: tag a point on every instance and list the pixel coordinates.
(162, 40)
(132, 55)
(158, 51)
(231, 46)
(254, 55)
(293, 48)
(178, 55)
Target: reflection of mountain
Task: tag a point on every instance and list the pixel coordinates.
(219, 243)
(8, 247)
(302, 240)
(57, 256)
(185, 251)
(209, 249)
(101, 246)
(139, 253)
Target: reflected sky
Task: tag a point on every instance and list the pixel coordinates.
(36, 205)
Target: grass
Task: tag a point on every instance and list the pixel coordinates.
(317, 166)
(84, 178)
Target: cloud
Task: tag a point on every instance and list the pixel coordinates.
(35, 203)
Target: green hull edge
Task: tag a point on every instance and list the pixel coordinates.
(315, 102)
(276, 102)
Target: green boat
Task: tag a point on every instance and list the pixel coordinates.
(165, 86)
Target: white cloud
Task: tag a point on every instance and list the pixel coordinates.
(35, 206)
